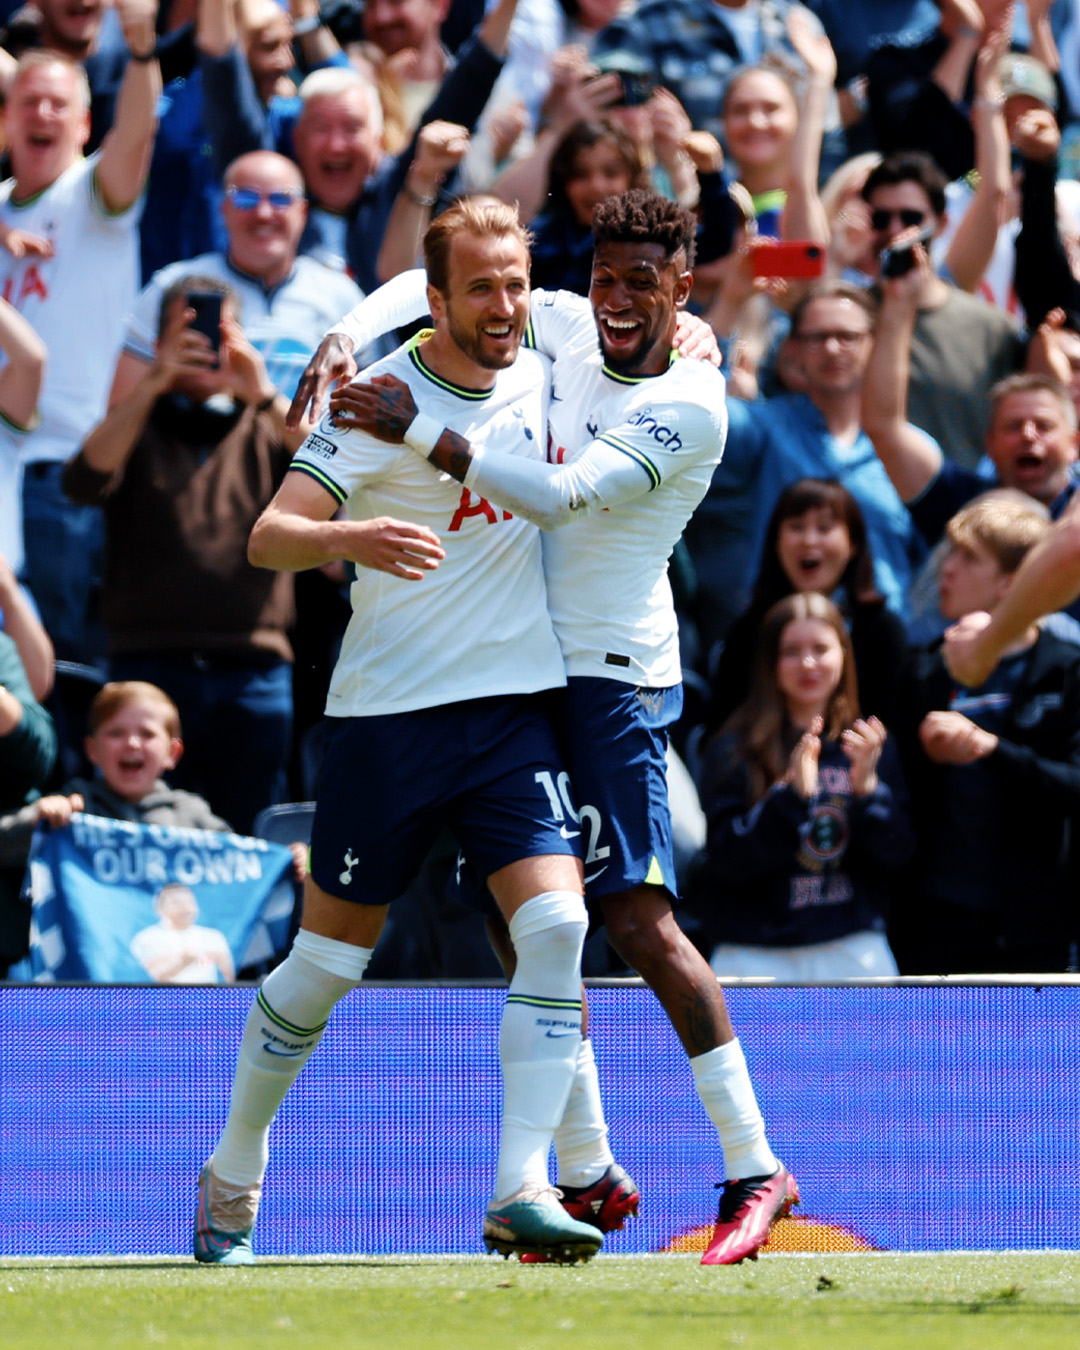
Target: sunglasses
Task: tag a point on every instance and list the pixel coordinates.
(881, 219)
(247, 199)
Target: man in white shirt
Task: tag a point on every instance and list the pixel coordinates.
(286, 300)
(75, 294)
(435, 721)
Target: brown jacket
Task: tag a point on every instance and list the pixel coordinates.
(177, 520)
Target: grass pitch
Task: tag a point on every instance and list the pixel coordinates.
(817, 1302)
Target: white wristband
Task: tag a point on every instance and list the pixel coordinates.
(422, 433)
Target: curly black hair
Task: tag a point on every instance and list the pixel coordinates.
(639, 215)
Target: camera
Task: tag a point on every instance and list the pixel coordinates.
(898, 262)
(636, 89)
(638, 85)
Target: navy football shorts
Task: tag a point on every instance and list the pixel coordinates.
(489, 768)
(614, 737)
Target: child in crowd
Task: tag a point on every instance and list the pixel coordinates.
(995, 775)
(816, 541)
(133, 740)
(807, 812)
(593, 160)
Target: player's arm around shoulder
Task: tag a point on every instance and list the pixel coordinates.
(707, 394)
(298, 531)
(559, 321)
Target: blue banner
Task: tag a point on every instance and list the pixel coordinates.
(127, 903)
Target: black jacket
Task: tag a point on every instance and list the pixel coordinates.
(787, 871)
(1033, 780)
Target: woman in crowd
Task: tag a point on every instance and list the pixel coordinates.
(806, 809)
(816, 541)
(773, 138)
(593, 160)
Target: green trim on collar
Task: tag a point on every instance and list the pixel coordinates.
(459, 391)
(619, 378)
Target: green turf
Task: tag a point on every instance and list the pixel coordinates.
(953, 1300)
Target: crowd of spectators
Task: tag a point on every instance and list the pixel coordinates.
(888, 255)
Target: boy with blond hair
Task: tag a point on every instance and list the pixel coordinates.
(133, 740)
(995, 771)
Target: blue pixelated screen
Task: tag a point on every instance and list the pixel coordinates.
(926, 1117)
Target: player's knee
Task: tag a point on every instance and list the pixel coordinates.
(555, 921)
(645, 936)
(498, 935)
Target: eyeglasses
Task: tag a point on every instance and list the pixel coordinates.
(845, 341)
(247, 199)
(882, 218)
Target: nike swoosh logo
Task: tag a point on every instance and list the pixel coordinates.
(588, 880)
(568, 834)
(283, 1054)
(559, 1035)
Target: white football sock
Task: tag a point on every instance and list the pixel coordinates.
(285, 1024)
(581, 1139)
(540, 1033)
(724, 1086)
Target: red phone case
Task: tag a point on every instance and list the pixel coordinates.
(794, 259)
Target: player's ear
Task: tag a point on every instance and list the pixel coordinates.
(176, 749)
(683, 283)
(436, 302)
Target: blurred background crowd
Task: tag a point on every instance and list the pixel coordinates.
(889, 257)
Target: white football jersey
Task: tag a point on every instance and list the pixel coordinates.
(608, 589)
(478, 625)
(76, 300)
(606, 569)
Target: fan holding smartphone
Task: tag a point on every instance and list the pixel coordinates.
(182, 465)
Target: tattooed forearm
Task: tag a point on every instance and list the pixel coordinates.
(452, 454)
(394, 411)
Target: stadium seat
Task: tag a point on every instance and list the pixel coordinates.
(72, 693)
(288, 823)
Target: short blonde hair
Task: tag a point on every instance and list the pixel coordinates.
(482, 216)
(332, 81)
(44, 56)
(1004, 523)
(1030, 382)
(119, 694)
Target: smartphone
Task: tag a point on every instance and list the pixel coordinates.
(794, 259)
(897, 262)
(636, 89)
(207, 307)
(638, 86)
